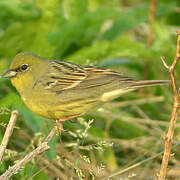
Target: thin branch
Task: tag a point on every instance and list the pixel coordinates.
(137, 164)
(56, 170)
(135, 102)
(152, 16)
(43, 147)
(8, 133)
(164, 62)
(176, 106)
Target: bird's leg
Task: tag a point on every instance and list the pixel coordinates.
(59, 125)
(60, 121)
(60, 128)
(71, 117)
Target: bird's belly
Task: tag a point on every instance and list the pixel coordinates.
(61, 109)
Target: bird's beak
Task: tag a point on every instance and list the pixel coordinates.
(9, 74)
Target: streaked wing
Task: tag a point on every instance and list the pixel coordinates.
(61, 75)
(99, 76)
(65, 75)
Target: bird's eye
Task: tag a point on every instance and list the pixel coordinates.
(24, 67)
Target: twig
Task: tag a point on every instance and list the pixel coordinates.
(152, 15)
(43, 147)
(137, 164)
(137, 102)
(8, 133)
(176, 106)
(51, 166)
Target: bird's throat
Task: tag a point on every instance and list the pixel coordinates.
(22, 84)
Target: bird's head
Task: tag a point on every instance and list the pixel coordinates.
(22, 64)
(23, 69)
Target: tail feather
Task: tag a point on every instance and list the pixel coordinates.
(130, 87)
(145, 83)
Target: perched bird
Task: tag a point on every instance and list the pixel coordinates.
(61, 90)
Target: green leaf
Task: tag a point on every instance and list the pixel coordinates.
(115, 62)
(73, 10)
(124, 46)
(97, 132)
(108, 157)
(34, 121)
(73, 35)
(134, 17)
(10, 99)
(13, 11)
(51, 153)
(24, 36)
(124, 130)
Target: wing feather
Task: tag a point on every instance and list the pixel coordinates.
(65, 75)
(99, 76)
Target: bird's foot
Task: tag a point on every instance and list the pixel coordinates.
(59, 123)
(59, 126)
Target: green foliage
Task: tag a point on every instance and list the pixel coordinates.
(75, 34)
(111, 34)
(75, 9)
(15, 11)
(134, 17)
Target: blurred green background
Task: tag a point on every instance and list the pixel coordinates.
(116, 34)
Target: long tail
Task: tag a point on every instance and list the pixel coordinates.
(130, 87)
(145, 83)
